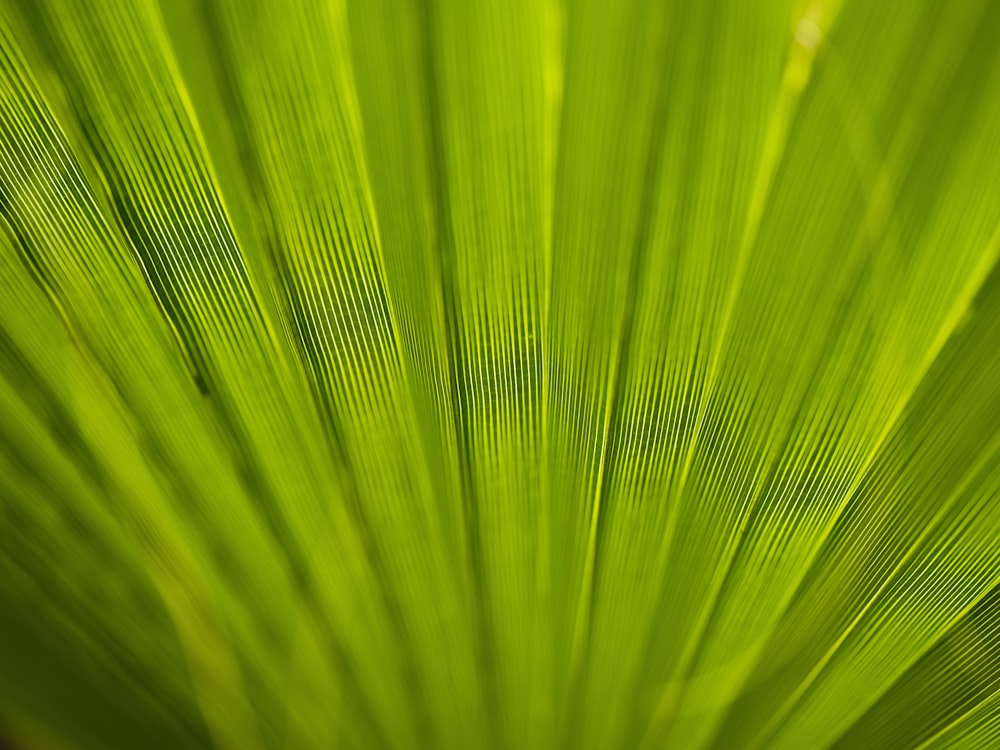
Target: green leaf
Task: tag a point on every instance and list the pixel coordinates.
(503, 374)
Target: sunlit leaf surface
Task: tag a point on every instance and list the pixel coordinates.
(499, 374)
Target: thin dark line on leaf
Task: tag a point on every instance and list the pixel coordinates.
(346, 473)
(254, 482)
(780, 718)
(617, 386)
(960, 619)
(973, 712)
(697, 641)
(882, 187)
(444, 245)
(796, 78)
(914, 548)
(866, 235)
(949, 330)
(943, 671)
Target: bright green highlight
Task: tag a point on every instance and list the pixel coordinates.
(499, 374)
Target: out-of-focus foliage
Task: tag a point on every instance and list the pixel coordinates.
(499, 373)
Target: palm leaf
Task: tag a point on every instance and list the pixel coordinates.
(537, 373)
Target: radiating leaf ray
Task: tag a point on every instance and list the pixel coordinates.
(119, 293)
(979, 727)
